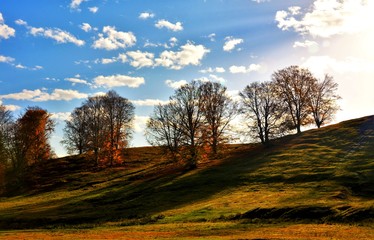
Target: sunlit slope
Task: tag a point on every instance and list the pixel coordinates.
(323, 174)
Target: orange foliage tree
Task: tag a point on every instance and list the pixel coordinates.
(33, 130)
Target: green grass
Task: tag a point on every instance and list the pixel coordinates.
(331, 168)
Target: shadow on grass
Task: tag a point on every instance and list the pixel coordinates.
(139, 196)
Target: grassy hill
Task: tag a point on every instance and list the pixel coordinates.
(322, 175)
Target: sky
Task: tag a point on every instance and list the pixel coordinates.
(55, 54)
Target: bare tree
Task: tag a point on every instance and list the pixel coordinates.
(294, 86)
(5, 122)
(323, 101)
(76, 131)
(186, 104)
(263, 110)
(218, 110)
(163, 129)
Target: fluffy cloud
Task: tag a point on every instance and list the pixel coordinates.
(5, 59)
(320, 65)
(146, 15)
(62, 116)
(312, 46)
(328, 18)
(114, 39)
(175, 84)
(5, 31)
(76, 80)
(93, 9)
(76, 3)
(140, 123)
(10, 61)
(231, 43)
(171, 26)
(141, 59)
(10, 107)
(305, 44)
(212, 70)
(118, 81)
(42, 96)
(57, 34)
(149, 102)
(21, 22)
(211, 78)
(242, 69)
(189, 54)
(86, 27)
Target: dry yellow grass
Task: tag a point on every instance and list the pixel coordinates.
(221, 230)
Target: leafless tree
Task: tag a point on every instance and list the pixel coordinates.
(294, 86)
(218, 110)
(323, 101)
(76, 131)
(186, 104)
(263, 109)
(163, 129)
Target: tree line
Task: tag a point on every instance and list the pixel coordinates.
(195, 123)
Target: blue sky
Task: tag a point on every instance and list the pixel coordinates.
(54, 54)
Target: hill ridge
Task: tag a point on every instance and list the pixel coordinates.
(318, 172)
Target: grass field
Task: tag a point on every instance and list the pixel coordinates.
(316, 185)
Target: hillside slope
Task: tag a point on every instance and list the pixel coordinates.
(323, 174)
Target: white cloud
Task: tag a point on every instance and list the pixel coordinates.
(5, 59)
(122, 57)
(140, 123)
(76, 80)
(149, 102)
(57, 34)
(42, 96)
(305, 44)
(327, 18)
(86, 27)
(242, 69)
(108, 60)
(212, 70)
(211, 78)
(141, 59)
(93, 9)
(212, 37)
(20, 66)
(312, 46)
(5, 31)
(62, 116)
(21, 22)
(118, 81)
(171, 26)
(231, 43)
(76, 3)
(175, 84)
(10, 107)
(321, 65)
(215, 78)
(10, 61)
(146, 15)
(189, 54)
(114, 39)
(260, 1)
